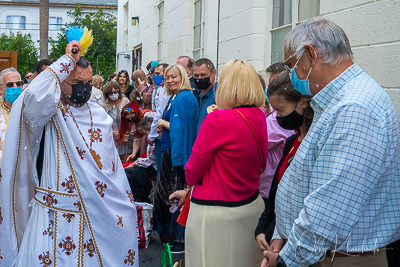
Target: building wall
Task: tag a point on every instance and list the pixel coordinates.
(373, 28)
(241, 29)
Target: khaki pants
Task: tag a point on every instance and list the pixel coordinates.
(364, 260)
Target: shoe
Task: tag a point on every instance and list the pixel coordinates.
(178, 248)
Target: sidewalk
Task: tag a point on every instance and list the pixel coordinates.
(151, 257)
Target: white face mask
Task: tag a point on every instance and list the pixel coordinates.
(113, 96)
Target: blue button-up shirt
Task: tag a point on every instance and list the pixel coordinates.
(342, 189)
(206, 101)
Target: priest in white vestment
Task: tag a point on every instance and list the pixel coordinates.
(64, 197)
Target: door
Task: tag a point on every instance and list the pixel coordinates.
(8, 59)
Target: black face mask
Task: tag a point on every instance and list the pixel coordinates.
(202, 84)
(80, 93)
(290, 122)
(133, 119)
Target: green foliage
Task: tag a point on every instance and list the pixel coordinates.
(102, 52)
(23, 44)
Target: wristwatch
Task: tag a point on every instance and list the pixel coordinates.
(279, 262)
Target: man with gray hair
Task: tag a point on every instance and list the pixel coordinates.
(338, 202)
(10, 89)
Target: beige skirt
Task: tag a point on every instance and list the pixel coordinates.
(220, 236)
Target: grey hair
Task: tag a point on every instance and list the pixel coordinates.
(6, 71)
(328, 39)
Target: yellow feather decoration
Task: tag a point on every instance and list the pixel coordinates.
(86, 41)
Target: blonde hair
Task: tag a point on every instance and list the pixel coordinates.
(239, 85)
(180, 71)
(97, 81)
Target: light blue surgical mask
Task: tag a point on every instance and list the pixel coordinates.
(303, 86)
(265, 92)
(12, 93)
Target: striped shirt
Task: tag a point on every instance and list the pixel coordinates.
(342, 189)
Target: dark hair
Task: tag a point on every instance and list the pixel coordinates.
(164, 65)
(148, 66)
(128, 81)
(27, 73)
(189, 63)
(145, 123)
(276, 67)
(111, 77)
(282, 85)
(83, 63)
(262, 81)
(44, 62)
(209, 64)
(107, 89)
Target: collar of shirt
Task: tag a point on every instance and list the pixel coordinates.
(211, 91)
(331, 90)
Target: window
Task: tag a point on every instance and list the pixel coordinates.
(160, 29)
(197, 29)
(16, 22)
(55, 23)
(284, 17)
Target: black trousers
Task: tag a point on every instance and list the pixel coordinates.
(138, 178)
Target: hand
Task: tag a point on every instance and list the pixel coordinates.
(264, 263)
(150, 142)
(140, 82)
(68, 50)
(179, 194)
(160, 124)
(130, 157)
(133, 164)
(276, 245)
(262, 242)
(271, 258)
(116, 135)
(211, 108)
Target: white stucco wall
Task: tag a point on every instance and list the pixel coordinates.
(373, 28)
(243, 32)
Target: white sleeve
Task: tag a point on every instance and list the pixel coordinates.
(43, 95)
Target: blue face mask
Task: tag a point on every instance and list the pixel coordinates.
(13, 93)
(29, 80)
(302, 86)
(158, 79)
(265, 92)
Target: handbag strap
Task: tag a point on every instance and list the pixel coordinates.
(255, 137)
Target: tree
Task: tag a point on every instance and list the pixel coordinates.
(102, 53)
(44, 29)
(23, 44)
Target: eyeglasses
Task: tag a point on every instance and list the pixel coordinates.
(28, 77)
(11, 84)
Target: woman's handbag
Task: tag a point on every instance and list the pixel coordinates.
(255, 137)
(183, 216)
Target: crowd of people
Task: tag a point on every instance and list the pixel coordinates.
(301, 171)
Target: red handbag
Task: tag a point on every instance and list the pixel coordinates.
(183, 216)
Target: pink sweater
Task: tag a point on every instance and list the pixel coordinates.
(225, 163)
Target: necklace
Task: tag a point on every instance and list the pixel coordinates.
(95, 156)
(4, 103)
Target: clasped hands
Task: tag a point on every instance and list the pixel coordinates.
(270, 252)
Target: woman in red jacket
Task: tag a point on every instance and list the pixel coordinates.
(227, 158)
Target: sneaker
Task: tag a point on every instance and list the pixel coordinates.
(178, 248)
